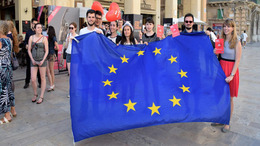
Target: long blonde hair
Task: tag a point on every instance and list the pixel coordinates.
(233, 41)
(14, 34)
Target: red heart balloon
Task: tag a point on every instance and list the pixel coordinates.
(114, 12)
(97, 7)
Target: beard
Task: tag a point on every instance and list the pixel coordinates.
(189, 28)
(91, 24)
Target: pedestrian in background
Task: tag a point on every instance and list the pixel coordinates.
(53, 45)
(38, 51)
(244, 39)
(229, 62)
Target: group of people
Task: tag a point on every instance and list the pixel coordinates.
(41, 54)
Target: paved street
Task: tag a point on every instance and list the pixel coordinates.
(48, 124)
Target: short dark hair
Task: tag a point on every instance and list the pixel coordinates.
(149, 20)
(189, 15)
(209, 29)
(34, 19)
(90, 11)
(98, 13)
(244, 31)
(116, 23)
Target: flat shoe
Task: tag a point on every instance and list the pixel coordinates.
(224, 130)
(51, 88)
(216, 124)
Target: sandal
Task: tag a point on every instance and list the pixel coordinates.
(39, 102)
(34, 98)
(51, 88)
(5, 121)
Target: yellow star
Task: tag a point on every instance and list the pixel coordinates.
(183, 74)
(124, 59)
(173, 59)
(140, 53)
(112, 69)
(157, 51)
(154, 109)
(175, 101)
(112, 95)
(107, 82)
(185, 89)
(130, 105)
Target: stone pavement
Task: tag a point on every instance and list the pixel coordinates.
(48, 124)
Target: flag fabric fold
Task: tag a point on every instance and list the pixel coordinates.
(115, 88)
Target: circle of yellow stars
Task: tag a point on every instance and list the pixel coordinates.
(131, 105)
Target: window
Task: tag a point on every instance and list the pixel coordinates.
(220, 13)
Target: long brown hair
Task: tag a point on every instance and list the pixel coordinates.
(233, 41)
(14, 34)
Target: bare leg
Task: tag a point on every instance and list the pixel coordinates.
(48, 73)
(43, 80)
(68, 65)
(231, 112)
(51, 68)
(13, 111)
(34, 71)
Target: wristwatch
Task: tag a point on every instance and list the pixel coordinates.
(232, 74)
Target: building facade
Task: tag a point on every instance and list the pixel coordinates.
(246, 14)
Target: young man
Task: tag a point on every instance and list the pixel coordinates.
(243, 39)
(98, 21)
(91, 18)
(28, 60)
(188, 22)
(120, 26)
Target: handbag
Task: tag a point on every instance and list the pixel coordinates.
(15, 63)
(64, 53)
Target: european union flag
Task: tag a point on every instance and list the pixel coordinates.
(116, 88)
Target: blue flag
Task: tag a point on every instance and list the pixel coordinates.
(116, 88)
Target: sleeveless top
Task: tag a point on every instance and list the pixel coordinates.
(229, 54)
(5, 53)
(38, 50)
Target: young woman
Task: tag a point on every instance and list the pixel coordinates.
(128, 35)
(38, 51)
(6, 74)
(150, 35)
(229, 62)
(53, 45)
(68, 44)
(113, 29)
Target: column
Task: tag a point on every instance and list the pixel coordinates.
(133, 7)
(23, 12)
(171, 8)
(157, 18)
(204, 10)
(132, 14)
(196, 8)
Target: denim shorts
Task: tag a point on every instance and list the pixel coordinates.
(68, 57)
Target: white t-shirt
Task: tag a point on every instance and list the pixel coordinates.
(213, 36)
(112, 39)
(68, 51)
(245, 36)
(86, 30)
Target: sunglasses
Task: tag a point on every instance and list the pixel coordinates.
(71, 27)
(188, 21)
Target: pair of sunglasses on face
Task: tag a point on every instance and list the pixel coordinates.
(188, 21)
(71, 27)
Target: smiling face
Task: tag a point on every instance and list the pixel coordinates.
(72, 28)
(91, 18)
(98, 20)
(127, 31)
(228, 29)
(38, 29)
(149, 26)
(113, 26)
